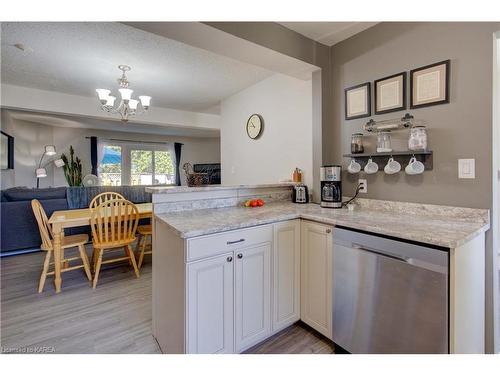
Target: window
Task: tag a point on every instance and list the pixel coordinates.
(110, 169)
(130, 163)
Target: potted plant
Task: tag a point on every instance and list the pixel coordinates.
(72, 168)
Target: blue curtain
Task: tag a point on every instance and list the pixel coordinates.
(93, 154)
(177, 149)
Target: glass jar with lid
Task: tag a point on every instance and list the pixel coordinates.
(384, 141)
(357, 143)
(417, 140)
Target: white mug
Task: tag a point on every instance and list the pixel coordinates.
(414, 167)
(371, 167)
(392, 166)
(354, 167)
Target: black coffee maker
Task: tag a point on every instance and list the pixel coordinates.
(331, 186)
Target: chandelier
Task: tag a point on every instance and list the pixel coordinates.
(127, 106)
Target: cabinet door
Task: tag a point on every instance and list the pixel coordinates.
(286, 274)
(253, 295)
(210, 305)
(316, 276)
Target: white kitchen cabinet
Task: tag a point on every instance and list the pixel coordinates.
(210, 305)
(286, 274)
(316, 276)
(252, 295)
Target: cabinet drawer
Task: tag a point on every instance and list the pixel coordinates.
(211, 245)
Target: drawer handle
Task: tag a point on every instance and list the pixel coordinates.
(328, 231)
(237, 241)
(229, 259)
(240, 255)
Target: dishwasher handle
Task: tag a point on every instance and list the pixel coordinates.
(380, 252)
(411, 261)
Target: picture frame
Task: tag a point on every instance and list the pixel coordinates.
(430, 85)
(358, 101)
(7, 151)
(390, 93)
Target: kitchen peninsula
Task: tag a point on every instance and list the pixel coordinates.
(226, 277)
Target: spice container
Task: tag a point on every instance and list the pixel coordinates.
(357, 143)
(417, 140)
(297, 175)
(384, 141)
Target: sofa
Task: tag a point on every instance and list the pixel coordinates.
(19, 229)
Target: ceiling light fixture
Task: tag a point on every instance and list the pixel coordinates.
(127, 106)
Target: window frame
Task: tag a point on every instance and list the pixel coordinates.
(126, 159)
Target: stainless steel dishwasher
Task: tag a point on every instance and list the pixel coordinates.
(388, 296)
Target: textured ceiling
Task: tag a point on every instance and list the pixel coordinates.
(77, 58)
(328, 33)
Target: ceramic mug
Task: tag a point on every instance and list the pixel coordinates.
(392, 166)
(354, 167)
(414, 167)
(371, 167)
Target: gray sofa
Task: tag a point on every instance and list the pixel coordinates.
(19, 229)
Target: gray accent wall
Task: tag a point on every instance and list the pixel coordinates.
(461, 129)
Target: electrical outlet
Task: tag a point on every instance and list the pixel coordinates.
(364, 185)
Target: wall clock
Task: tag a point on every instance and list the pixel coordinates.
(255, 125)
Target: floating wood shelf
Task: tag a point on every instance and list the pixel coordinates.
(403, 157)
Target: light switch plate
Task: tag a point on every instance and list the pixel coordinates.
(466, 168)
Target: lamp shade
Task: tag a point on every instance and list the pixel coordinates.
(110, 101)
(41, 172)
(50, 150)
(102, 94)
(126, 94)
(145, 100)
(132, 103)
(59, 163)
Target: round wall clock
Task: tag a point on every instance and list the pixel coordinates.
(255, 125)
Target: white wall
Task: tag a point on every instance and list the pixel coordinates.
(29, 139)
(285, 103)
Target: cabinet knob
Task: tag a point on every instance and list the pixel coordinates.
(240, 255)
(229, 259)
(328, 231)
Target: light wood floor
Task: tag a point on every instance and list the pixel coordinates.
(114, 318)
(297, 339)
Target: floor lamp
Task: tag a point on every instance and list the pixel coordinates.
(41, 172)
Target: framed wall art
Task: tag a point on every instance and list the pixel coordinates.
(390, 93)
(430, 85)
(358, 101)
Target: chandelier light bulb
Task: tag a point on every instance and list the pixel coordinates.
(145, 101)
(102, 94)
(126, 94)
(133, 104)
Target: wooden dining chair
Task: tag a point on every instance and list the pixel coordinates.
(47, 245)
(95, 202)
(144, 232)
(114, 223)
(103, 197)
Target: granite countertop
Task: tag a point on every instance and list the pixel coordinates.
(432, 229)
(187, 189)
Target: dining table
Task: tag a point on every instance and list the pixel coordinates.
(60, 220)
